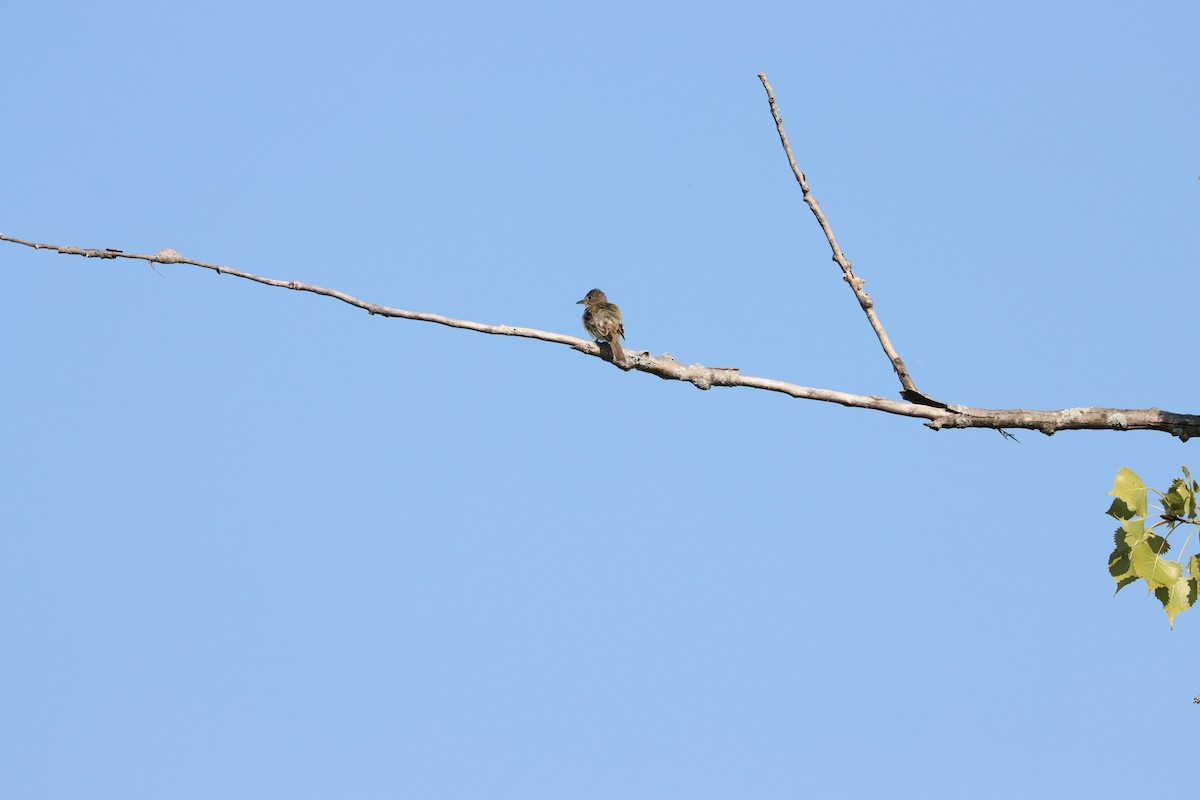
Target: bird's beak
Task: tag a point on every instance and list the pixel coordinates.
(581, 302)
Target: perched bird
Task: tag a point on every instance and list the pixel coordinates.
(602, 320)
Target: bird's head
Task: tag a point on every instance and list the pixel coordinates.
(592, 298)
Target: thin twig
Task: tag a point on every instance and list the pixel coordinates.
(168, 256)
(1183, 426)
(856, 283)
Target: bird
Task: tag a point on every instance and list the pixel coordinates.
(602, 320)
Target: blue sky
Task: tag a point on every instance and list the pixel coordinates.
(258, 543)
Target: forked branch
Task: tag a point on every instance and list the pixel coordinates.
(1182, 425)
(937, 415)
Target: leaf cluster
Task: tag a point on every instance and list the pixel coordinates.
(1141, 554)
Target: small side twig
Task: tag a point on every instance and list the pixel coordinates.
(856, 283)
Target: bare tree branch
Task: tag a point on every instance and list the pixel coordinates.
(168, 256)
(856, 283)
(1183, 426)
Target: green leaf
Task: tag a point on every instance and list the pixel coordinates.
(1180, 595)
(1120, 563)
(1193, 488)
(1174, 500)
(1136, 529)
(1157, 544)
(1150, 566)
(1119, 510)
(1179, 500)
(1123, 582)
(1129, 487)
(1137, 554)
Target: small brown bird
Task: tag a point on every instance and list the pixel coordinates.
(602, 320)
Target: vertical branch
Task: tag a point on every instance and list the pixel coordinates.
(856, 283)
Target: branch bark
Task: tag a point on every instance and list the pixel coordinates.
(664, 366)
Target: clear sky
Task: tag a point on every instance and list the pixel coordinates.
(258, 543)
